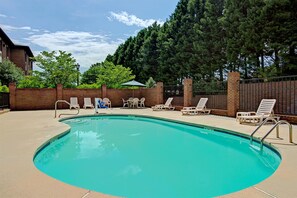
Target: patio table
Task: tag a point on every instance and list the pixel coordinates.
(130, 102)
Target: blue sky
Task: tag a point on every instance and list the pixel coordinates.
(89, 29)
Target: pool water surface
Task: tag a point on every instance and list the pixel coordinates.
(132, 156)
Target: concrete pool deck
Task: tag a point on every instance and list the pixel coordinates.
(23, 132)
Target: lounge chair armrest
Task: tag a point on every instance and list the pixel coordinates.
(250, 113)
(189, 108)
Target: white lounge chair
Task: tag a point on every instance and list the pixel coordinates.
(88, 103)
(107, 102)
(265, 110)
(200, 108)
(166, 106)
(74, 103)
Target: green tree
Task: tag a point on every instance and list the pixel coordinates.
(166, 72)
(57, 68)
(90, 76)
(150, 83)
(10, 73)
(149, 53)
(106, 73)
(234, 13)
(88, 86)
(113, 75)
(251, 30)
(4, 88)
(136, 63)
(210, 45)
(205, 39)
(31, 81)
(280, 28)
(109, 58)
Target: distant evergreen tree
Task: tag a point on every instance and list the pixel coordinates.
(109, 58)
(167, 74)
(205, 39)
(137, 61)
(210, 46)
(280, 29)
(149, 53)
(234, 12)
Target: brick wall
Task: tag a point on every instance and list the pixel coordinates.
(34, 99)
(116, 95)
(18, 58)
(188, 92)
(150, 96)
(233, 93)
(29, 99)
(80, 94)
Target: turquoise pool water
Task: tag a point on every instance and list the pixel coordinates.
(143, 157)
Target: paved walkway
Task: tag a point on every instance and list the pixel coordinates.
(22, 132)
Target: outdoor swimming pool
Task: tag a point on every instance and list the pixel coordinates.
(132, 156)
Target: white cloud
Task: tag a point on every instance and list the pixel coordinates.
(85, 47)
(11, 28)
(130, 20)
(3, 15)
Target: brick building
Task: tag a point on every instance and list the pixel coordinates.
(18, 54)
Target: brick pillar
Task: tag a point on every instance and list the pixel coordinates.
(233, 93)
(104, 91)
(188, 92)
(59, 94)
(159, 95)
(12, 96)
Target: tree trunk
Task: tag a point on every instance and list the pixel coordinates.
(277, 60)
(262, 61)
(245, 69)
(221, 73)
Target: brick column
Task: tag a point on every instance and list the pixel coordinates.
(104, 91)
(59, 94)
(233, 93)
(12, 96)
(188, 92)
(159, 94)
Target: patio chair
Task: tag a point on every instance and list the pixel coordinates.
(74, 103)
(125, 102)
(200, 108)
(166, 106)
(135, 102)
(100, 103)
(88, 103)
(107, 102)
(100, 99)
(141, 102)
(265, 110)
